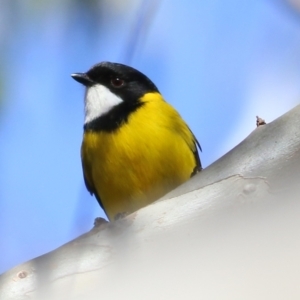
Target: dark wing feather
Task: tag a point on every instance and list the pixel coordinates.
(89, 181)
(198, 166)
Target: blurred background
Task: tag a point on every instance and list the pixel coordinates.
(220, 63)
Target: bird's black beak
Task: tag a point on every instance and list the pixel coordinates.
(83, 78)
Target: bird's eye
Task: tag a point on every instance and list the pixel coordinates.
(117, 82)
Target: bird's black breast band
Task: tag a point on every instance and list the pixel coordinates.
(115, 118)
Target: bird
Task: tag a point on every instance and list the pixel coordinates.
(136, 147)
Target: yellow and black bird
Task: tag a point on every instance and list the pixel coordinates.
(136, 147)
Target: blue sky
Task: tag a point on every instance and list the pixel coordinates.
(220, 63)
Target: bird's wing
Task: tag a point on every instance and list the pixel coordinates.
(186, 133)
(198, 167)
(88, 180)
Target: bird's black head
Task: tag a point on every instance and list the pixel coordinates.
(124, 81)
(113, 93)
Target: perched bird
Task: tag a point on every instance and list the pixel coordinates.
(136, 147)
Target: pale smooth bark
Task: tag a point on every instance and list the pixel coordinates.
(231, 232)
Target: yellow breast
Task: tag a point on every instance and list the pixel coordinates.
(142, 160)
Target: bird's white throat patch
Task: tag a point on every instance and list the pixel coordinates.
(98, 101)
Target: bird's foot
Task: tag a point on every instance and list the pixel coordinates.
(99, 221)
(122, 215)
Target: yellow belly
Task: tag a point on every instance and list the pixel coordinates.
(144, 159)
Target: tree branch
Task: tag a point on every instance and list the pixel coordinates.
(231, 232)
